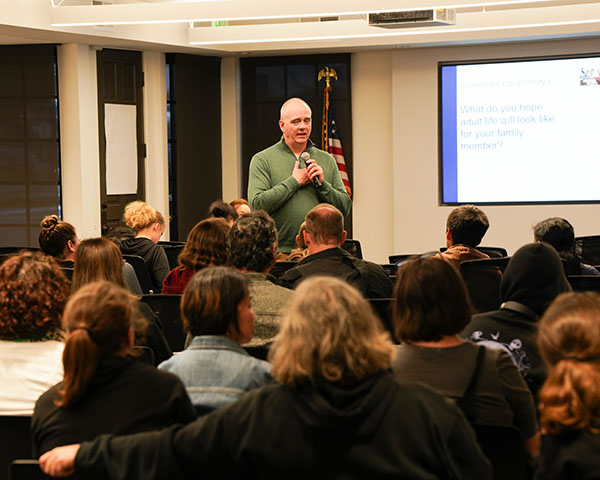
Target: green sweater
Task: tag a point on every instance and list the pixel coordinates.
(271, 187)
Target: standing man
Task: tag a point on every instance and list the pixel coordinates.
(284, 185)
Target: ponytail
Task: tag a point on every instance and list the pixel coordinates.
(80, 361)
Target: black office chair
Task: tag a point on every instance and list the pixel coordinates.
(28, 469)
(15, 441)
(403, 257)
(141, 271)
(172, 250)
(143, 354)
(588, 249)
(167, 308)
(353, 248)
(584, 283)
(482, 278)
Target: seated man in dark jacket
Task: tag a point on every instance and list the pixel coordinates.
(324, 236)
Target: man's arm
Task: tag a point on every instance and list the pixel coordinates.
(262, 194)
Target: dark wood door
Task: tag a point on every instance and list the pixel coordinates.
(120, 84)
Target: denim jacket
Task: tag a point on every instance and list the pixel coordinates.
(216, 371)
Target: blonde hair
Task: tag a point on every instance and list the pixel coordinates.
(139, 215)
(329, 332)
(569, 343)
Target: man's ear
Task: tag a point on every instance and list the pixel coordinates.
(281, 123)
(71, 246)
(275, 250)
(307, 239)
(344, 235)
(448, 238)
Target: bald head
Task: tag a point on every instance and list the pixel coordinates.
(293, 104)
(325, 225)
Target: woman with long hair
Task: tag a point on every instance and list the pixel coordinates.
(569, 401)
(33, 294)
(59, 240)
(337, 412)
(100, 259)
(431, 307)
(217, 313)
(149, 225)
(206, 245)
(104, 390)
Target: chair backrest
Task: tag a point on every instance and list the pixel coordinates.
(505, 449)
(281, 267)
(585, 283)
(172, 251)
(353, 248)
(15, 441)
(4, 250)
(390, 269)
(144, 354)
(141, 271)
(403, 257)
(588, 248)
(167, 308)
(482, 278)
(383, 308)
(26, 470)
(68, 271)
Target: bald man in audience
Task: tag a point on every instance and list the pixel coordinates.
(465, 227)
(324, 236)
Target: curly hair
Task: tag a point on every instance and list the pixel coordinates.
(206, 244)
(33, 294)
(250, 241)
(430, 301)
(55, 236)
(139, 215)
(329, 332)
(468, 225)
(569, 343)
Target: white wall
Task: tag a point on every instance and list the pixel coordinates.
(231, 152)
(418, 219)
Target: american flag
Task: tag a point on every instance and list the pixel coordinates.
(334, 147)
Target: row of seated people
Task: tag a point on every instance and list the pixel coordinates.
(331, 212)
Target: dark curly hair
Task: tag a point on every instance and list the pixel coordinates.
(205, 245)
(55, 236)
(33, 294)
(250, 241)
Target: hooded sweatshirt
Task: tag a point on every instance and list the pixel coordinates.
(375, 428)
(154, 257)
(532, 279)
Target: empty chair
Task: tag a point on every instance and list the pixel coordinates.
(141, 271)
(482, 278)
(167, 309)
(353, 248)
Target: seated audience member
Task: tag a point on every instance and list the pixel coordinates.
(559, 233)
(119, 235)
(532, 279)
(221, 209)
(33, 294)
(59, 240)
(241, 205)
(431, 307)
(337, 412)
(465, 227)
(100, 259)
(252, 249)
(149, 225)
(214, 368)
(299, 253)
(569, 342)
(324, 237)
(206, 245)
(104, 390)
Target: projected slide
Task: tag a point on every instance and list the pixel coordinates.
(520, 132)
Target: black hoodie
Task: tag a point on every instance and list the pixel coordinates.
(154, 257)
(377, 428)
(533, 278)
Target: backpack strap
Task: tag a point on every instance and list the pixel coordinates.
(519, 308)
(467, 400)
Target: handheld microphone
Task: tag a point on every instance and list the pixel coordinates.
(305, 157)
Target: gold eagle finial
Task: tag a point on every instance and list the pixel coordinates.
(327, 73)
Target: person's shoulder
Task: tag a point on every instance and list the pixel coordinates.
(143, 371)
